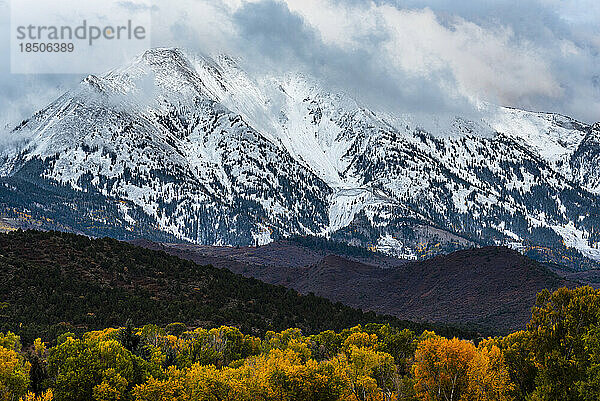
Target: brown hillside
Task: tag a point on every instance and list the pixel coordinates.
(492, 287)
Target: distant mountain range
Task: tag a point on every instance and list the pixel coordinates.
(184, 148)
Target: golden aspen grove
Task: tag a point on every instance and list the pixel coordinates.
(556, 358)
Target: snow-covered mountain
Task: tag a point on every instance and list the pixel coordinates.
(189, 147)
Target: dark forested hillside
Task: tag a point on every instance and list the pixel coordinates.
(54, 282)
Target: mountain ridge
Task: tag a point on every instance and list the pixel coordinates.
(54, 283)
(195, 148)
(492, 288)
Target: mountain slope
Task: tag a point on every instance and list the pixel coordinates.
(198, 171)
(193, 148)
(492, 288)
(55, 282)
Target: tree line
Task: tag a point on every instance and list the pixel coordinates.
(557, 357)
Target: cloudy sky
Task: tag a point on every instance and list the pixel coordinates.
(439, 56)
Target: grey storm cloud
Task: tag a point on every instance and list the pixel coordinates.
(286, 42)
(521, 54)
(438, 56)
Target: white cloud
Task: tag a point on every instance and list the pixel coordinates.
(484, 63)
